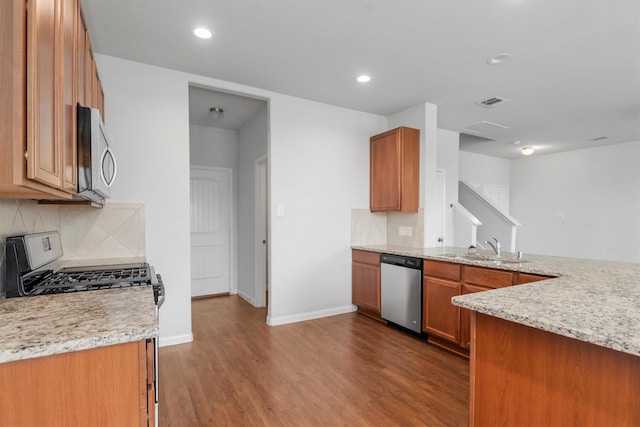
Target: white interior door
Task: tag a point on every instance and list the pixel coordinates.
(211, 205)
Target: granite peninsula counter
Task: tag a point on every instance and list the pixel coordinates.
(593, 301)
(52, 324)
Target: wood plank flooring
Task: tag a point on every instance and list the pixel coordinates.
(336, 371)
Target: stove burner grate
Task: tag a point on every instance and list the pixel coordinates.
(74, 281)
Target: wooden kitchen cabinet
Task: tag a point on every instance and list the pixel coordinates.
(487, 277)
(448, 325)
(523, 278)
(39, 86)
(68, 122)
(465, 315)
(51, 95)
(100, 386)
(14, 182)
(440, 317)
(479, 279)
(523, 376)
(365, 280)
(395, 170)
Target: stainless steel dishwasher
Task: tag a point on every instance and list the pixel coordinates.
(401, 291)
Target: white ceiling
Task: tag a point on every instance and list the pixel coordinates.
(574, 73)
(237, 109)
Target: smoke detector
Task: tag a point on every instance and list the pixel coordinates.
(492, 102)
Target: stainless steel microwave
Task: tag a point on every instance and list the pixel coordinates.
(97, 166)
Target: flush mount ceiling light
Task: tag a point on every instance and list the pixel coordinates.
(363, 78)
(202, 33)
(216, 113)
(527, 150)
(500, 58)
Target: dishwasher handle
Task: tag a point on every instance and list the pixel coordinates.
(402, 261)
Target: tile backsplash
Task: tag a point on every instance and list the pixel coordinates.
(115, 231)
(368, 228)
(405, 229)
(381, 228)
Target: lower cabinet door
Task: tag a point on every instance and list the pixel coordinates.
(366, 286)
(465, 329)
(440, 317)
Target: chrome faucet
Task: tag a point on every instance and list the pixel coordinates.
(496, 247)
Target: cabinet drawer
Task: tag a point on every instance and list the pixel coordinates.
(528, 278)
(444, 270)
(487, 277)
(365, 257)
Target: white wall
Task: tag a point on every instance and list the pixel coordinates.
(213, 147)
(148, 126)
(583, 204)
(448, 147)
(319, 170)
(253, 140)
(481, 169)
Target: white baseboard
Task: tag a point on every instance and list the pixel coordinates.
(246, 297)
(301, 317)
(175, 339)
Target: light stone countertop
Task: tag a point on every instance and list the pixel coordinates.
(51, 324)
(593, 301)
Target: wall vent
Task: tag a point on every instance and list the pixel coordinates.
(492, 102)
(599, 138)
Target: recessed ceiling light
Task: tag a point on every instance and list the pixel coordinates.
(499, 59)
(203, 33)
(527, 150)
(363, 78)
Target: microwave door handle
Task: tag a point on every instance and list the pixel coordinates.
(115, 167)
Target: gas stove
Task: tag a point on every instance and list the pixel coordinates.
(29, 273)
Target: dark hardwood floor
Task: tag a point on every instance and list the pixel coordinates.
(336, 371)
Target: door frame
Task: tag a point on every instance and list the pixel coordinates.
(233, 234)
(441, 195)
(261, 215)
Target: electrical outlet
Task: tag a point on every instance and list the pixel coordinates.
(405, 231)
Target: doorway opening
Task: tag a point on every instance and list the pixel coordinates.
(233, 139)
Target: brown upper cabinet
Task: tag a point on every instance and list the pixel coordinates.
(395, 170)
(42, 46)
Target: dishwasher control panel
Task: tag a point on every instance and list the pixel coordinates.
(402, 261)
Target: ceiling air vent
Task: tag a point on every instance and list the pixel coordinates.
(599, 138)
(492, 102)
(483, 127)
